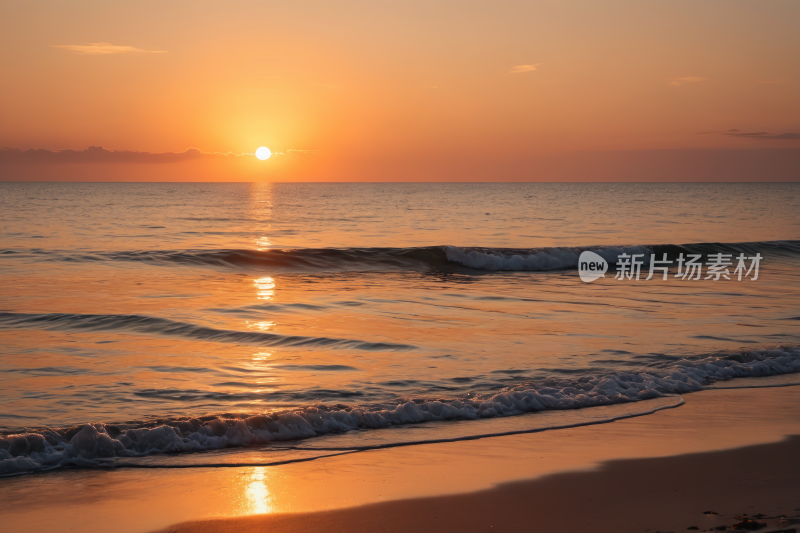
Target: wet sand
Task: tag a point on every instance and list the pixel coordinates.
(724, 451)
(702, 491)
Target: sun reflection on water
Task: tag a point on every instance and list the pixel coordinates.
(265, 287)
(259, 498)
(263, 243)
(262, 356)
(263, 325)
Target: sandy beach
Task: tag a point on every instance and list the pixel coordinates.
(726, 451)
(755, 485)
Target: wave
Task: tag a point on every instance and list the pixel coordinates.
(164, 327)
(532, 260)
(99, 444)
(439, 258)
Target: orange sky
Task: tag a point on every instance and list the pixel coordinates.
(430, 90)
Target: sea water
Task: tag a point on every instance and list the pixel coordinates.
(150, 324)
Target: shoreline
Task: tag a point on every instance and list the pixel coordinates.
(475, 474)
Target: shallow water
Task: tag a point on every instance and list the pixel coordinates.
(341, 307)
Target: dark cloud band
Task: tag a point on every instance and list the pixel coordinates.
(98, 154)
(762, 135)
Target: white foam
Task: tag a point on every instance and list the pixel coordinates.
(95, 444)
(549, 259)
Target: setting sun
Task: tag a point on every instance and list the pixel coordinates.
(263, 153)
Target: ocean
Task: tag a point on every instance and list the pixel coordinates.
(154, 325)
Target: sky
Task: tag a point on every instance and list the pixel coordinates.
(534, 90)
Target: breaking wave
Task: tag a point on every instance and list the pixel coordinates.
(97, 444)
(399, 259)
(549, 259)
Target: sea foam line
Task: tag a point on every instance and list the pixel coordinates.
(337, 451)
(91, 444)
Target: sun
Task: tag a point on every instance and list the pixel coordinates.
(263, 153)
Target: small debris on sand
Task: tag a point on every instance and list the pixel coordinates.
(749, 525)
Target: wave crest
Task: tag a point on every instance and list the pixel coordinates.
(424, 258)
(99, 444)
(164, 327)
(547, 259)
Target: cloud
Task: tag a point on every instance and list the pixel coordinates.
(687, 79)
(519, 69)
(98, 154)
(761, 135)
(96, 49)
(765, 135)
(709, 132)
(295, 151)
